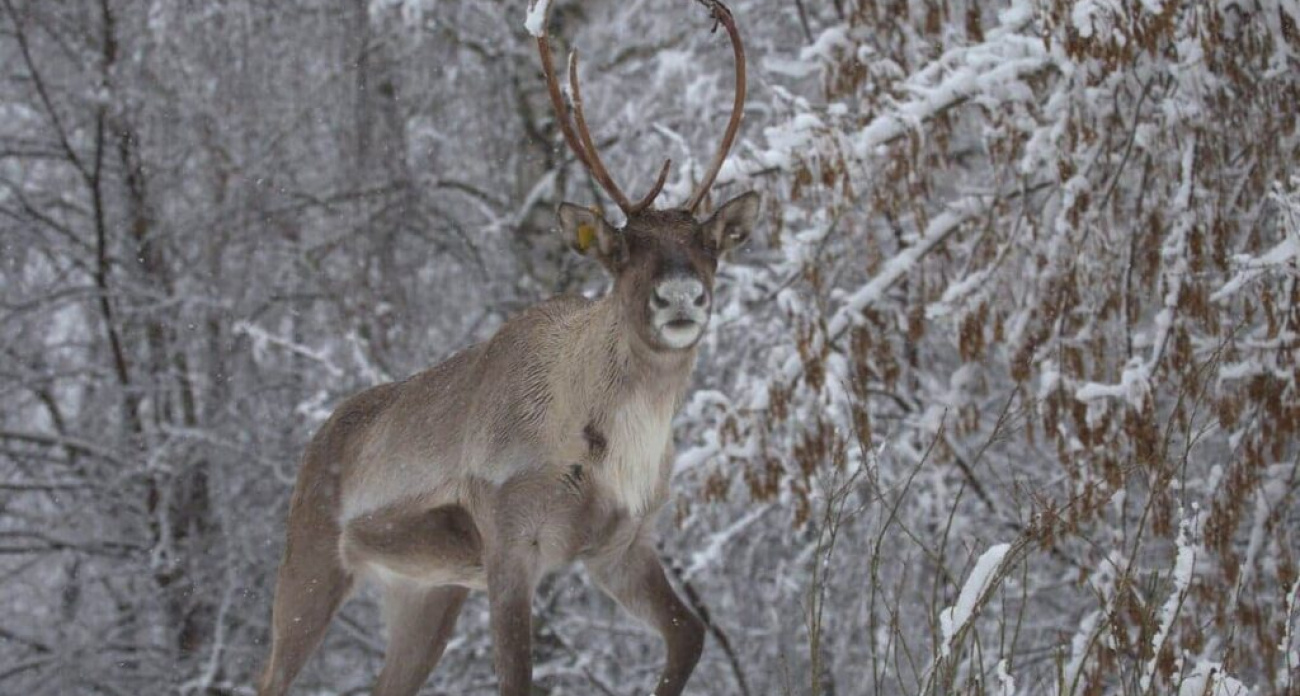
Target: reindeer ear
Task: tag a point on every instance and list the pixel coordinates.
(731, 224)
(588, 234)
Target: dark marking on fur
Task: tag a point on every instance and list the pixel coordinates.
(596, 443)
(573, 478)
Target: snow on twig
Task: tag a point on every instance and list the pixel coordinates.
(1285, 255)
(262, 338)
(936, 232)
(1134, 382)
(535, 22)
(1209, 679)
(954, 618)
(1006, 683)
(1291, 656)
(712, 552)
(1184, 567)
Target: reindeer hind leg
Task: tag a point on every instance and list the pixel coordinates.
(420, 621)
(424, 559)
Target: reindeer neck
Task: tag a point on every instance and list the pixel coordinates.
(630, 363)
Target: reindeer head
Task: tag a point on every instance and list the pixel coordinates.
(663, 261)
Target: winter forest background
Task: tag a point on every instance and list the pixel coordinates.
(1001, 398)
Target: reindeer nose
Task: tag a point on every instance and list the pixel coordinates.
(679, 293)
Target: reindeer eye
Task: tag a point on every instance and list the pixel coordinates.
(699, 301)
(658, 300)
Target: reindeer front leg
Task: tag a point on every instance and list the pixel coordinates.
(511, 578)
(530, 532)
(635, 579)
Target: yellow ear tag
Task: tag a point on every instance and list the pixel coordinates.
(586, 235)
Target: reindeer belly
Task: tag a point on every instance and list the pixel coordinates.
(436, 546)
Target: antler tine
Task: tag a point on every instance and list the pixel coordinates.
(654, 190)
(721, 15)
(557, 99)
(594, 163)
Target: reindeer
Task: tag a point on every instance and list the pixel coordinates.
(548, 443)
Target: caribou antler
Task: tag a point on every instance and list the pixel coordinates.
(578, 135)
(721, 15)
(593, 160)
